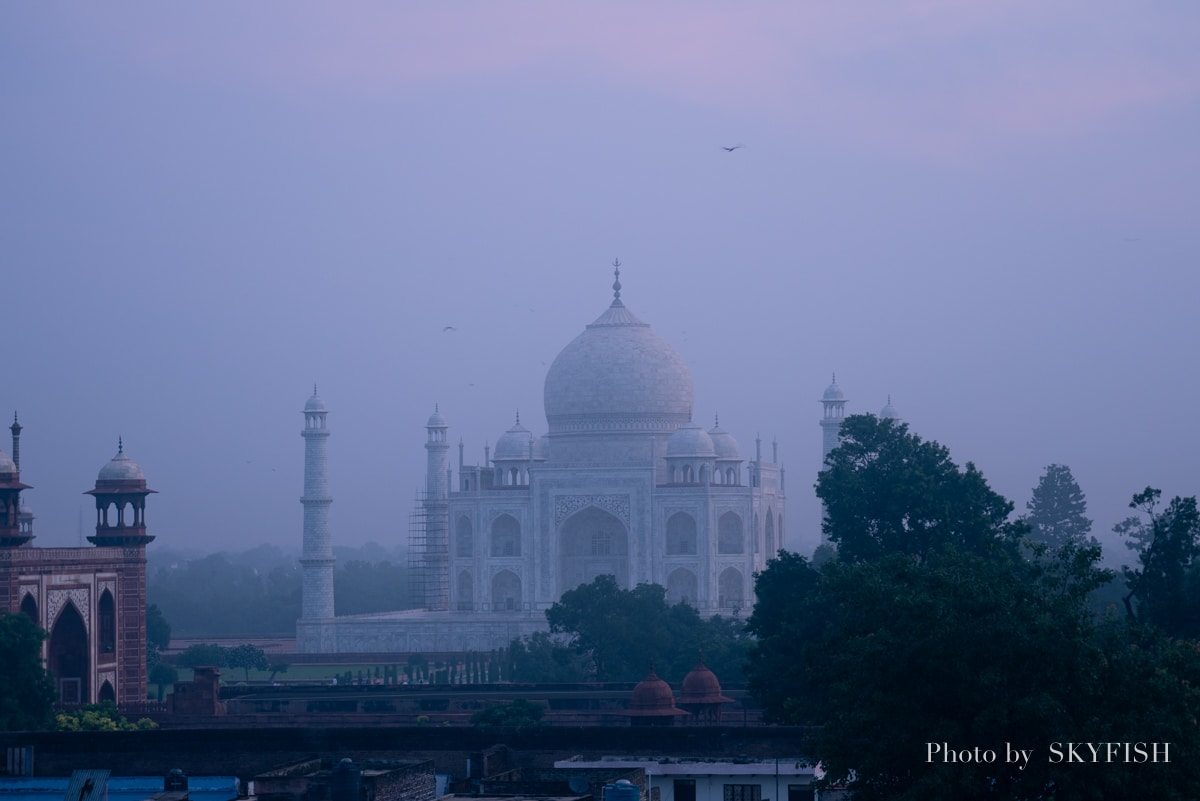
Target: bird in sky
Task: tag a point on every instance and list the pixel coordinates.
(448, 328)
(731, 149)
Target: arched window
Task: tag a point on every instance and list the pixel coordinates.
(754, 534)
(107, 693)
(771, 550)
(689, 477)
(464, 537)
(466, 592)
(681, 587)
(730, 588)
(506, 592)
(681, 535)
(730, 475)
(29, 608)
(506, 536)
(703, 474)
(108, 623)
(729, 534)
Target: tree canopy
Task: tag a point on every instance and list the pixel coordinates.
(516, 714)
(1057, 510)
(1164, 587)
(27, 692)
(620, 632)
(886, 490)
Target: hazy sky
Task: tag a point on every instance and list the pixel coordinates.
(988, 211)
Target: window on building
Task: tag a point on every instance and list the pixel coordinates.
(743, 792)
(108, 623)
(799, 792)
(685, 790)
(601, 543)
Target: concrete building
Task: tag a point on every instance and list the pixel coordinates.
(624, 482)
(91, 601)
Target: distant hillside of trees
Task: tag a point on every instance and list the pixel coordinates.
(257, 592)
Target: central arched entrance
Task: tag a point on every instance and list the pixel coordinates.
(592, 543)
(69, 657)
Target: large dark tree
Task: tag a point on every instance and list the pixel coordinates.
(887, 491)
(620, 632)
(883, 659)
(26, 690)
(1057, 511)
(1164, 588)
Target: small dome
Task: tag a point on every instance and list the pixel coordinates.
(515, 443)
(121, 468)
(690, 441)
(652, 697)
(889, 412)
(724, 443)
(436, 420)
(833, 392)
(6, 464)
(700, 686)
(314, 403)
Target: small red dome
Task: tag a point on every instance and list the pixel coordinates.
(653, 697)
(700, 686)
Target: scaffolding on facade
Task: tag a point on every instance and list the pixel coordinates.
(429, 553)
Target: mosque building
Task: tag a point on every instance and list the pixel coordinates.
(90, 601)
(625, 482)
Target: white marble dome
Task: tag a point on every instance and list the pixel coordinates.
(436, 420)
(121, 468)
(724, 443)
(690, 441)
(833, 393)
(314, 403)
(618, 375)
(516, 443)
(6, 463)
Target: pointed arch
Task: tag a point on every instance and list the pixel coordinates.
(506, 591)
(464, 537)
(681, 534)
(466, 592)
(592, 542)
(107, 610)
(771, 549)
(730, 589)
(682, 587)
(69, 663)
(506, 536)
(29, 608)
(107, 693)
(729, 534)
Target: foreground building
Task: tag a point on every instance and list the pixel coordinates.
(90, 601)
(624, 482)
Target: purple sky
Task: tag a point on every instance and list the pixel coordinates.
(988, 211)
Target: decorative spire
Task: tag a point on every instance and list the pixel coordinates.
(617, 282)
(716, 421)
(314, 389)
(834, 381)
(518, 417)
(120, 445)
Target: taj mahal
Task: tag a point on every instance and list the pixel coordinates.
(624, 482)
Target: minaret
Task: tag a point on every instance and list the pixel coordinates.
(436, 562)
(889, 412)
(317, 558)
(11, 534)
(835, 411)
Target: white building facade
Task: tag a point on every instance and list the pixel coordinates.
(623, 483)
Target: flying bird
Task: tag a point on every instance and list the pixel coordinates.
(448, 328)
(731, 149)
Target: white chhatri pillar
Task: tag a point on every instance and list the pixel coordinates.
(317, 558)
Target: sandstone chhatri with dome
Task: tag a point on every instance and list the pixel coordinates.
(625, 482)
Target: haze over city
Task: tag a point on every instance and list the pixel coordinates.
(986, 213)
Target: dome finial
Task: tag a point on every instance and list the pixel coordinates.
(616, 281)
(120, 445)
(716, 421)
(518, 417)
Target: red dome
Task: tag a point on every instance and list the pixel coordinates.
(653, 697)
(700, 686)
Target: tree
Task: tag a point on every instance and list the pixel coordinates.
(1057, 511)
(100, 717)
(161, 675)
(158, 635)
(886, 491)
(248, 657)
(541, 658)
(27, 692)
(1164, 590)
(202, 655)
(620, 632)
(516, 714)
(276, 668)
